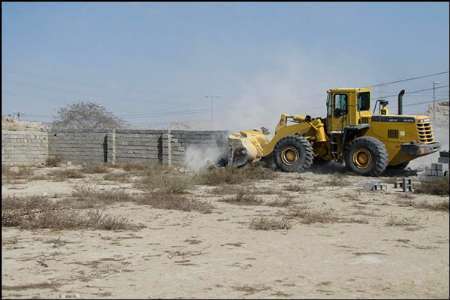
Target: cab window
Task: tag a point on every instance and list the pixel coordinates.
(340, 105)
(364, 101)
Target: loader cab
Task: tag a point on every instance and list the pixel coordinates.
(347, 107)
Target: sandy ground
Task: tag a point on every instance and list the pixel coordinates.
(193, 255)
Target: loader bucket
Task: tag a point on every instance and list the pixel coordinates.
(245, 147)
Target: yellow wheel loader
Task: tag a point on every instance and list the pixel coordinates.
(366, 142)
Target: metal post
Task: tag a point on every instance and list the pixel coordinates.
(113, 146)
(212, 109)
(434, 100)
(169, 147)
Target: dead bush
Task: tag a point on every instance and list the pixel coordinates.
(17, 172)
(336, 180)
(129, 167)
(118, 177)
(442, 205)
(308, 216)
(231, 175)
(61, 175)
(38, 212)
(25, 203)
(172, 201)
(399, 221)
(53, 161)
(89, 197)
(40, 177)
(296, 188)
(226, 189)
(264, 223)
(95, 169)
(281, 202)
(354, 220)
(166, 183)
(438, 187)
(242, 198)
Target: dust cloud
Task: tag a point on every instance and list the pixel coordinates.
(197, 158)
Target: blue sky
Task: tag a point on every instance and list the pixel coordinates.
(153, 63)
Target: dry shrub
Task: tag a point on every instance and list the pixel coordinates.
(118, 177)
(38, 212)
(61, 175)
(171, 201)
(40, 177)
(95, 169)
(442, 205)
(166, 183)
(281, 203)
(397, 221)
(226, 189)
(232, 175)
(34, 286)
(242, 198)
(336, 180)
(53, 161)
(309, 216)
(165, 179)
(17, 172)
(296, 188)
(129, 167)
(88, 197)
(263, 223)
(354, 220)
(439, 186)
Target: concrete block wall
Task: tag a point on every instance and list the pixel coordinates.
(24, 147)
(106, 146)
(79, 146)
(135, 146)
(182, 139)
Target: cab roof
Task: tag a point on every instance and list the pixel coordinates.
(359, 90)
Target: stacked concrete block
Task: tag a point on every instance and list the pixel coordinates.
(444, 157)
(107, 146)
(405, 184)
(181, 140)
(24, 147)
(439, 169)
(135, 146)
(79, 146)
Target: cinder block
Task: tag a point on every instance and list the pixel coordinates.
(443, 160)
(437, 166)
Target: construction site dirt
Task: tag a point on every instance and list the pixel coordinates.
(133, 232)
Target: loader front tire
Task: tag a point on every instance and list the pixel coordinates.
(293, 154)
(366, 156)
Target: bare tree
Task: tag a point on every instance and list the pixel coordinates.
(86, 115)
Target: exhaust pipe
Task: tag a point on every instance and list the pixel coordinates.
(400, 102)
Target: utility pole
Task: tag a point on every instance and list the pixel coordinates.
(211, 98)
(434, 100)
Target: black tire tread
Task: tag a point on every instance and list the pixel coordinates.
(300, 142)
(380, 153)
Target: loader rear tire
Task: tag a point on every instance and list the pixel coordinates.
(366, 156)
(293, 154)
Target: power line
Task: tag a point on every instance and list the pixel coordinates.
(408, 79)
(425, 102)
(414, 92)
